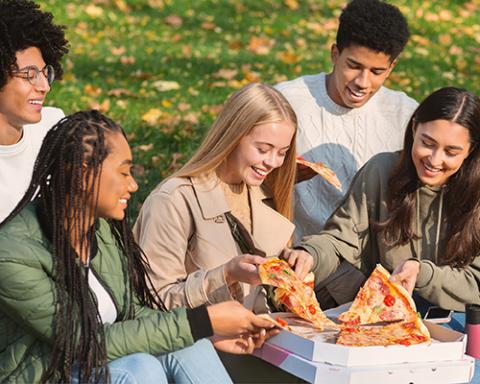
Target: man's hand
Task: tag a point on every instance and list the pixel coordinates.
(304, 173)
(300, 261)
(406, 274)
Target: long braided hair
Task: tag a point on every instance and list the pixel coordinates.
(65, 177)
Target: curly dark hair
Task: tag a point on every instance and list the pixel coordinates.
(373, 24)
(24, 25)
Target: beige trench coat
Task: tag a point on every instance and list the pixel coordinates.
(184, 233)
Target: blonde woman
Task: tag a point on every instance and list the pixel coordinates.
(206, 228)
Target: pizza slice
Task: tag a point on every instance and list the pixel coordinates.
(380, 300)
(292, 292)
(323, 171)
(400, 333)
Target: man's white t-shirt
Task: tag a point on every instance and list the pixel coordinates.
(342, 138)
(17, 160)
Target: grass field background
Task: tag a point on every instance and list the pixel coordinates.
(162, 68)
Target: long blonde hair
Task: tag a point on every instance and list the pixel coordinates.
(252, 105)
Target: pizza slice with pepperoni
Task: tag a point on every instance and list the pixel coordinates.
(401, 333)
(380, 300)
(292, 292)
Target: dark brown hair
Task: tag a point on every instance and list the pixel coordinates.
(462, 192)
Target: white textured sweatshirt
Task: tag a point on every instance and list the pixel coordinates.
(342, 138)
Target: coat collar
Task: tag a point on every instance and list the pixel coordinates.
(269, 226)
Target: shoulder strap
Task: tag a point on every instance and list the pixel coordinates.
(242, 237)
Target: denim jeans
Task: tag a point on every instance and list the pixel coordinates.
(198, 363)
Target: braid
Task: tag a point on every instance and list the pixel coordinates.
(66, 176)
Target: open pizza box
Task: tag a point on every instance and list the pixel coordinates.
(438, 372)
(305, 341)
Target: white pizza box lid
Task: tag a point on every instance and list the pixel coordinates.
(320, 347)
(439, 372)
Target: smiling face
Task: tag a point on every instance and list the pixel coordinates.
(116, 180)
(21, 102)
(438, 151)
(258, 153)
(358, 73)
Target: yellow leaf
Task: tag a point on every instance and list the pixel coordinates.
(227, 74)
(93, 11)
(260, 45)
(288, 57)
(292, 4)
(152, 116)
(163, 86)
(166, 103)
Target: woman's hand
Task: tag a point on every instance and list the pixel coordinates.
(300, 261)
(243, 268)
(406, 274)
(232, 319)
(243, 344)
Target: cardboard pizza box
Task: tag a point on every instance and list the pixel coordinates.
(441, 372)
(447, 345)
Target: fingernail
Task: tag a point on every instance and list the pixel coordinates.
(263, 332)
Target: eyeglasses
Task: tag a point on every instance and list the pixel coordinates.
(32, 74)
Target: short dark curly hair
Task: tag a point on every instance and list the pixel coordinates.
(24, 25)
(373, 24)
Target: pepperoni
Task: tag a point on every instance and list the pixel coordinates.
(389, 300)
(282, 322)
(311, 309)
(385, 289)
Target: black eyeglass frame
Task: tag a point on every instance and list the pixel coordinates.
(48, 71)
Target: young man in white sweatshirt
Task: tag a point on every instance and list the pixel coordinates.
(31, 48)
(347, 116)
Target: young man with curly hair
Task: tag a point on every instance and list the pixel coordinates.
(347, 116)
(31, 48)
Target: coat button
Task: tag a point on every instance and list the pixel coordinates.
(219, 219)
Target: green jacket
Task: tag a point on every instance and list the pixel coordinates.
(27, 303)
(348, 234)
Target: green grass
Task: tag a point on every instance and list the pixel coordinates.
(121, 49)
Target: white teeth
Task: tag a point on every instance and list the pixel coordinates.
(37, 102)
(123, 201)
(431, 169)
(262, 173)
(357, 94)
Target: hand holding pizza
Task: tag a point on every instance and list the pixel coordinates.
(243, 268)
(232, 319)
(300, 261)
(406, 274)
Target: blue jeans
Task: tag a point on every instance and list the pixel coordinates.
(198, 363)
(457, 324)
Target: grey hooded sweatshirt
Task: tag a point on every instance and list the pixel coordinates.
(349, 235)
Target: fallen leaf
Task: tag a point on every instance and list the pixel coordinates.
(93, 11)
(163, 85)
(292, 4)
(152, 116)
(119, 92)
(260, 45)
(102, 107)
(208, 25)
(288, 57)
(174, 20)
(227, 74)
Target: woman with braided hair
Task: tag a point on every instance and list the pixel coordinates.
(75, 301)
